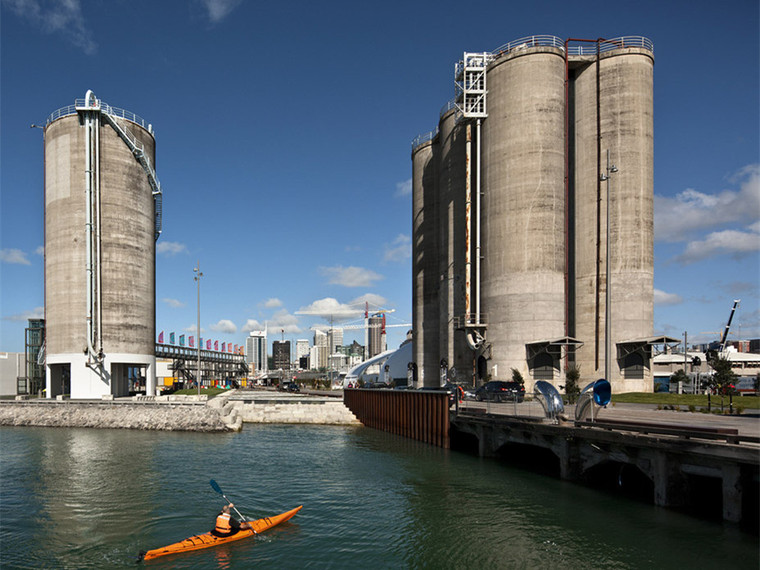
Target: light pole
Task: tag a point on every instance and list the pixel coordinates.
(605, 177)
(197, 278)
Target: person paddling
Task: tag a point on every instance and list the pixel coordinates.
(226, 524)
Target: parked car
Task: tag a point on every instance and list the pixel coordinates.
(499, 391)
(289, 387)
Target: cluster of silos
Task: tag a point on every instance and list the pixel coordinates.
(100, 232)
(552, 113)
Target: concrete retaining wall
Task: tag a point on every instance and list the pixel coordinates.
(312, 411)
(165, 417)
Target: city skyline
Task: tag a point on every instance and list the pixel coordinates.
(257, 158)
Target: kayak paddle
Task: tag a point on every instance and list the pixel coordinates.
(215, 486)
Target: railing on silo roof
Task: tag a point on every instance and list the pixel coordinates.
(419, 140)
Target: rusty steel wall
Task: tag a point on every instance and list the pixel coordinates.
(423, 416)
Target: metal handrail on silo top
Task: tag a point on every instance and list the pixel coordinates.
(612, 44)
(527, 42)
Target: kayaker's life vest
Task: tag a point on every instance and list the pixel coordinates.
(223, 524)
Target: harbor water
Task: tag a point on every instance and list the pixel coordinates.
(89, 498)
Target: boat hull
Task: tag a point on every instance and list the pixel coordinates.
(208, 540)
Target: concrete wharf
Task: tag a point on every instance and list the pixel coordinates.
(675, 459)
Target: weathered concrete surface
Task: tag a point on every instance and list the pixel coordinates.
(166, 417)
(282, 408)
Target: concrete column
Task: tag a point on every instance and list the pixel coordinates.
(732, 493)
(569, 459)
(669, 482)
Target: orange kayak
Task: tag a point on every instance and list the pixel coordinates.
(207, 540)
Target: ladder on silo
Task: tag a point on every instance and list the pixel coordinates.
(137, 149)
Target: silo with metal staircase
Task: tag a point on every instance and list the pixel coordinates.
(102, 220)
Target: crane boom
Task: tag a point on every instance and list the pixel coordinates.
(724, 337)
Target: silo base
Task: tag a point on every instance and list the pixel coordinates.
(69, 375)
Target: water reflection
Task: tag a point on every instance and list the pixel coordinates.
(95, 498)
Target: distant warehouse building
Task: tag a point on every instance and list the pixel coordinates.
(535, 189)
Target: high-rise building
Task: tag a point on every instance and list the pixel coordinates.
(320, 351)
(335, 339)
(281, 355)
(376, 336)
(256, 351)
(302, 350)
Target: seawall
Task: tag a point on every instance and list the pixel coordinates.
(226, 412)
(143, 416)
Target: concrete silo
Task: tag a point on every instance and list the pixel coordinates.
(102, 219)
(523, 282)
(613, 113)
(426, 310)
(452, 169)
(549, 113)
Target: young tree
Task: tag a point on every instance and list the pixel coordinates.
(679, 376)
(517, 377)
(724, 379)
(572, 387)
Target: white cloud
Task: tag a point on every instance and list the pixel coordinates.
(663, 298)
(283, 321)
(399, 250)
(62, 17)
(173, 303)
(329, 307)
(224, 326)
(272, 303)
(252, 325)
(727, 242)
(170, 247)
(219, 9)
(375, 302)
(15, 256)
(193, 329)
(40, 250)
(36, 313)
(691, 212)
(404, 188)
(350, 276)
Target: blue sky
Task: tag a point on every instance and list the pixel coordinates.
(283, 146)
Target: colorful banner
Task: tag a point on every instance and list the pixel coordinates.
(171, 338)
(182, 340)
(216, 345)
(192, 341)
(224, 347)
(208, 344)
(229, 347)
(161, 338)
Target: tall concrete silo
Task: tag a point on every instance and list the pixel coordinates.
(615, 115)
(102, 219)
(523, 280)
(452, 170)
(426, 310)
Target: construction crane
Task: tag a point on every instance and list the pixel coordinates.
(724, 338)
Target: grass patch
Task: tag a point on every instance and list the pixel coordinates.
(688, 401)
(210, 392)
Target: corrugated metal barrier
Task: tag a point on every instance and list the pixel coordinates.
(423, 416)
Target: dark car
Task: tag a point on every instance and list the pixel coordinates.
(499, 391)
(289, 387)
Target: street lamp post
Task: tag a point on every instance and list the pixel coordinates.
(605, 177)
(197, 278)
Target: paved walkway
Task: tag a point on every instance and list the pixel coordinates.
(748, 423)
